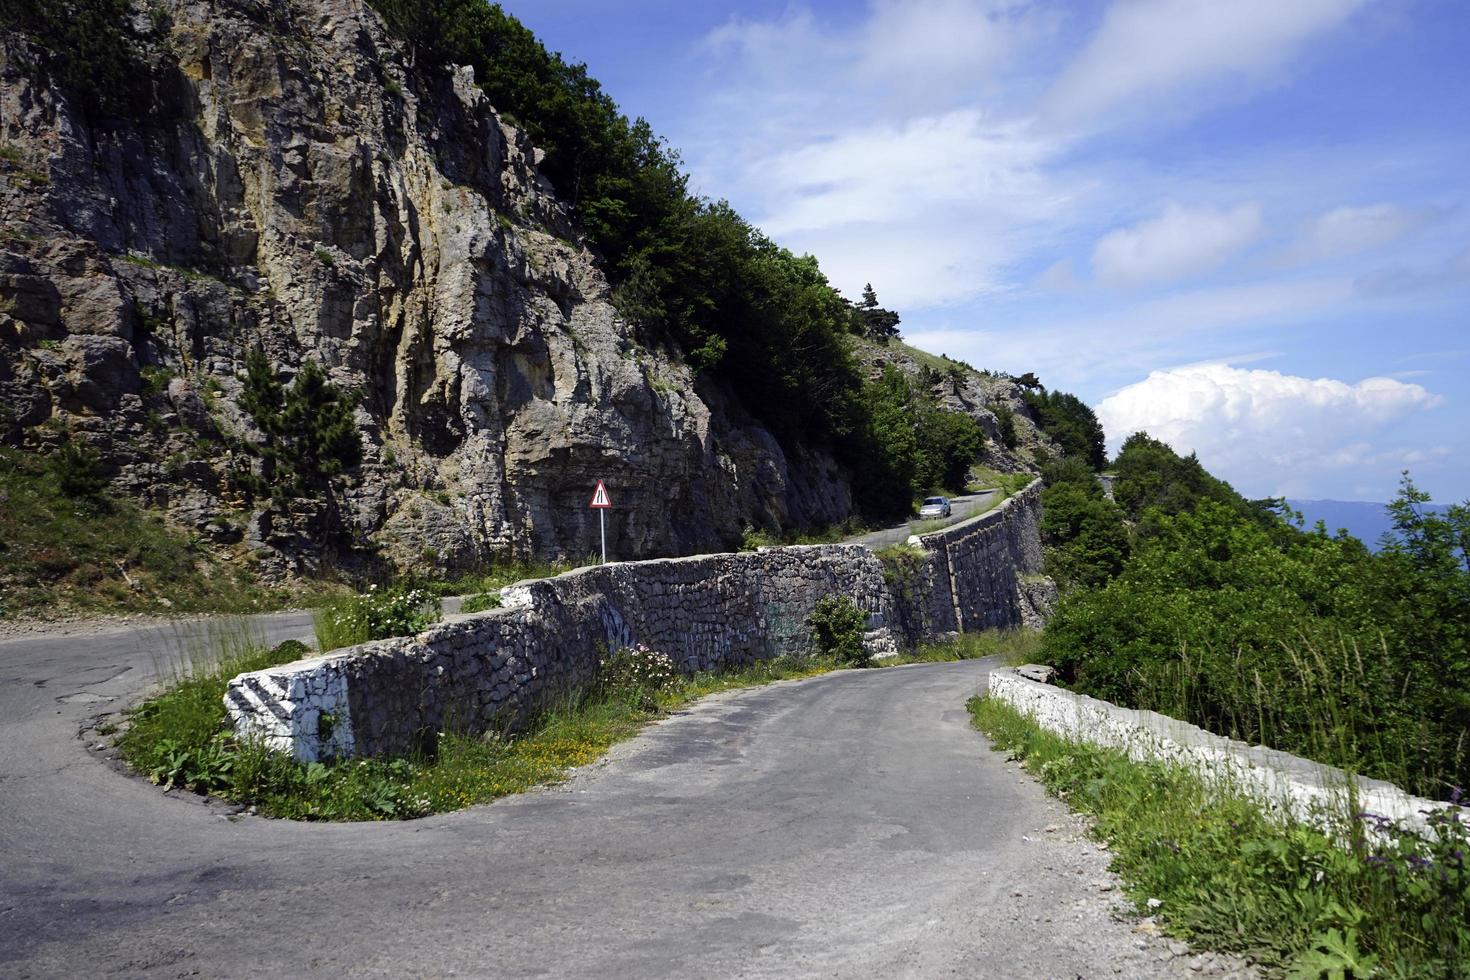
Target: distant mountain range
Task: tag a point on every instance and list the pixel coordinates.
(1363, 519)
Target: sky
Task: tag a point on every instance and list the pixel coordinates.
(1241, 226)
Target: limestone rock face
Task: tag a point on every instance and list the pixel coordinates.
(294, 185)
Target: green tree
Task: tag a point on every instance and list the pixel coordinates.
(308, 434)
(89, 49)
(1069, 422)
(871, 320)
(1005, 421)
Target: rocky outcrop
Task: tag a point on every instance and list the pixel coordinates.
(294, 185)
(958, 387)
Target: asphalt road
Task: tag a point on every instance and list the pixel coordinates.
(961, 508)
(847, 825)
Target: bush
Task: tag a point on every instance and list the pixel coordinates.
(1069, 423)
(79, 472)
(480, 603)
(837, 627)
(309, 434)
(638, 676)
(376, 615)
(1314, 646)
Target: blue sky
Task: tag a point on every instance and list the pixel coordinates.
(1243, 226)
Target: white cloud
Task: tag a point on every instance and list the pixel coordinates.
(1146, 49)
(928, 211)
(1178, 243)
(1183, 327)
(932, 50)
(1268, 433)
(1344, 231)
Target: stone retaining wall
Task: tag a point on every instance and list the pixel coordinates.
(491, 670)
(1308, 791)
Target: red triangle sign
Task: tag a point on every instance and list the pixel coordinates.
(600, 499)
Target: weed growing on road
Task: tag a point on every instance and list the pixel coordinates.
(1232, 878)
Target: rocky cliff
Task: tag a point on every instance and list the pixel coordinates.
(291, 182)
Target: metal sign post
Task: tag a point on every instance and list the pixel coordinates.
(601, 503)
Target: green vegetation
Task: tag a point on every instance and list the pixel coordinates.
(1009, 484)
(871, 320)
(1152, 477)
(837, 626)
(753, 538)
(1229, 877)
(1218, 612)
(1087, 543)
(1014, 647)
(480, 603)
(922, 447)
(346, 621)
(310, 436)
(89, 49)
(1070, 424)
(68, 546)
(493, 578)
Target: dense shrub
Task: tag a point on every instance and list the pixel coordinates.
(1305, 642)
(376, 615)
(308, 432)
(1069, 422)
(88, 47)
(837, 625)
(1086, 541)
(638, 676)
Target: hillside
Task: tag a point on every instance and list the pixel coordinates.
(292, 177)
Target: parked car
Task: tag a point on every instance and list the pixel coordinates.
(935, 507)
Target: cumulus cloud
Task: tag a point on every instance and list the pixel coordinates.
(1180, 242)
(1146, 49)
(1344, 231)
(1269, 433)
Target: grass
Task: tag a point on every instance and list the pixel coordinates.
(89, 554)
(828, 534)
(480, 603)
(1221, 874)
(493, 578)
(1009, 484)
(183, 738)
(1015, 647)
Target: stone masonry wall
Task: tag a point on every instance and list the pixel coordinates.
(491, 670)
(1306, 791)
(983, 573)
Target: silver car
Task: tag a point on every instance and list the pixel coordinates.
(934, 507)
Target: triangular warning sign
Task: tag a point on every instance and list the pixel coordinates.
(600, 497)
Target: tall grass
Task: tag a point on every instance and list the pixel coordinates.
(1336, 703)
(1232, 877)
(181, 736)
